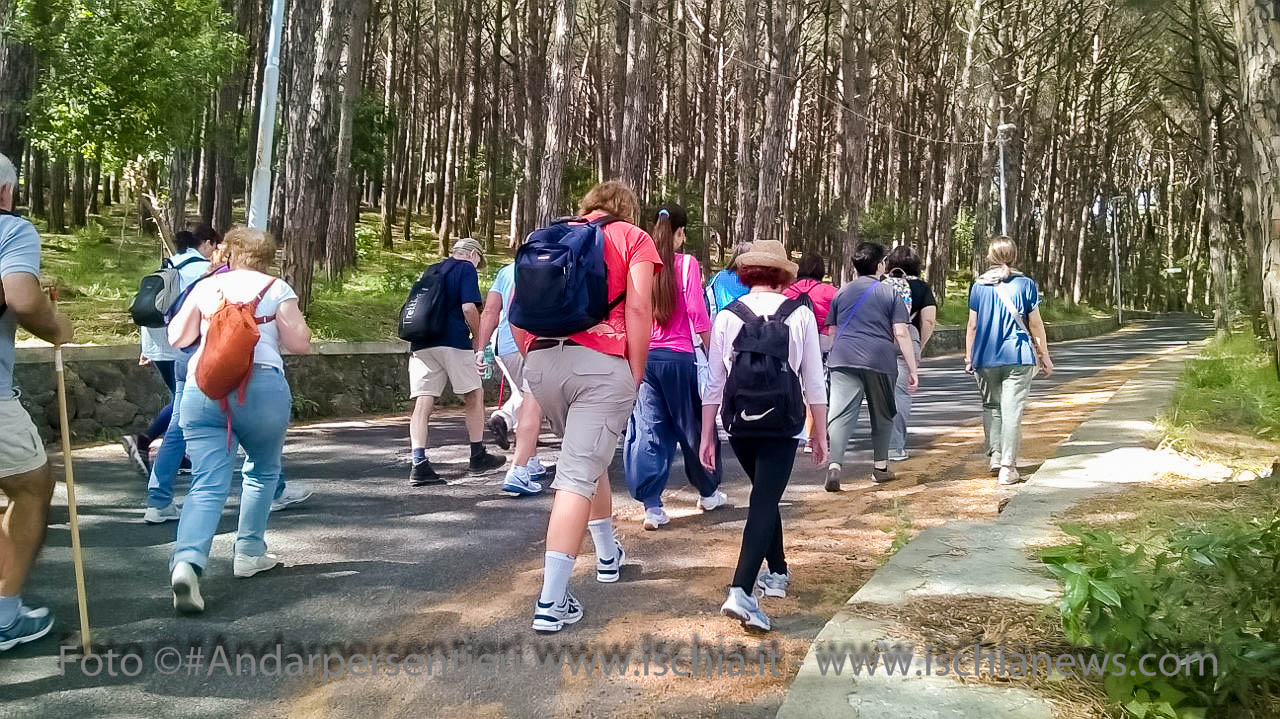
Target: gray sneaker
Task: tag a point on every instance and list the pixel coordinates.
(833, 478)
(28, 626)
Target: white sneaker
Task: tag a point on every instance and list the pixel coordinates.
(1009, 475)
(745, 609)
(774, 585)
(994, 464)
(293, 493)
(519, 481)
(246, 566)
(898, 455)
(715, 501)
(186, 589)
(610, 571)
(161, 515)
(552, 617)
(654, 518)
(536, 468)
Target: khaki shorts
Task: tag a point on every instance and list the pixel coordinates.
(431, 368)
(21, 449)
(512, 366)
(587, 397)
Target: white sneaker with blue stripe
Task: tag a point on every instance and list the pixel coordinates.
(746, 609)
(519, 481)
(610, 571)
(774, 585)
(552, 616)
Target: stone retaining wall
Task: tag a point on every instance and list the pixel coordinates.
(950, 340)
(109, 394)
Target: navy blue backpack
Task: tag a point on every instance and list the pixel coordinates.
(561, 281)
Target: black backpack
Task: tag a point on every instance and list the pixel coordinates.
(157, 293)
(425, 314)
(762, 396)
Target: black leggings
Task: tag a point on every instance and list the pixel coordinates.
(768, 463)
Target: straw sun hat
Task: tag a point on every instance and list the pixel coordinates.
(768, 253)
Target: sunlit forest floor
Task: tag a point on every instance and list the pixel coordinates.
(97, 269)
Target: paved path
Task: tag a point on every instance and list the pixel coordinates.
(363, 556)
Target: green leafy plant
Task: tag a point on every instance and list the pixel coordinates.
(1207, 592)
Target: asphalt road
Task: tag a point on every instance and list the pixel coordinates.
(360, 557)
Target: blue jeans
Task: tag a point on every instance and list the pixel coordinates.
(668, 411)
(164, 468)
(259, 425)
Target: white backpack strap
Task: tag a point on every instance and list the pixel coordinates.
(1013, 310)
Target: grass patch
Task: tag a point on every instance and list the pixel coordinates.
(1231, 386)
(97, 270)
(955, 311)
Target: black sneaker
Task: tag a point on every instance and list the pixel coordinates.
(833, 479)
(501, 433)
(486, 462)
(184, 468)
(423, 474)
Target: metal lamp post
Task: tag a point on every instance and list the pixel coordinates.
(260, 189)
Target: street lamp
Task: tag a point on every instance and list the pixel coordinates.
(260, 189)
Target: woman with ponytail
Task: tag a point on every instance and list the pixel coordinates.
(668, 409)
(1005, 343)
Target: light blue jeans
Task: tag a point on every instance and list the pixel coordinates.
(164, 468)
(258, 425)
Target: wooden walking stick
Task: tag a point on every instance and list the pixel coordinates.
(76, 554)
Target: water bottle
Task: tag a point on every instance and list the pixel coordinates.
(488, 362)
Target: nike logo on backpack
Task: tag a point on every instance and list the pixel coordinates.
(755, 417)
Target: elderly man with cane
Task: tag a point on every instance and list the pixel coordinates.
(25, 477)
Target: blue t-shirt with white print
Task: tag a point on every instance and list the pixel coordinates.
(19, 253)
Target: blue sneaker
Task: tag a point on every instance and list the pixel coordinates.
(518, 481)
(551, 617)
(30, 625)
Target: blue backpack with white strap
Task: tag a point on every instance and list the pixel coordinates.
(562, 284)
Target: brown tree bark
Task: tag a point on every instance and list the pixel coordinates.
(632, 145)
(784, 35)
(748, 162)
(344, 204)
(854, 83)
(550, 200)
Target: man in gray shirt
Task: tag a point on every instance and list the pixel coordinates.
(24, 470)
(871, 322)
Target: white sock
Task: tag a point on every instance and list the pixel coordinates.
(602, 535)
(555, 577)
(9, 609)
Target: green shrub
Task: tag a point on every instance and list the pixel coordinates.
(1209, 590)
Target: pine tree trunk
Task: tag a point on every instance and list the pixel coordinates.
(390, 102)
(558, 101)
(748, 162)
(854, 64)
(179, 187)
(1258, 43)
(784, 34)
(58, 195)
(632, 146)
(17, 70)
(344, 204)
(78, 203)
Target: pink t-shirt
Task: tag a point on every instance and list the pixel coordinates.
(676, 335)
(820, 293)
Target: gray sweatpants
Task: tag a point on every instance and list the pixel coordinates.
(902, 399)
(848, 387)
(1005, 391)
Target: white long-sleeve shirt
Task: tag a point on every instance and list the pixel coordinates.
(803, 353)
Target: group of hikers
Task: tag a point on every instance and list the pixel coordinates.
(600, 329)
